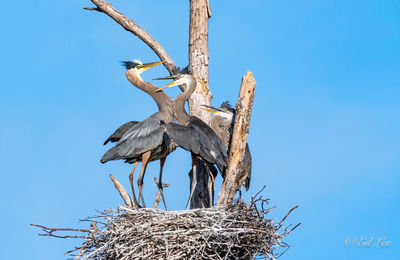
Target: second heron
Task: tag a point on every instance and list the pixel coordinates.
(192, 133)
(222, 124)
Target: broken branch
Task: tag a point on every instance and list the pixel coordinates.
(240, 133)
(50, 231)
(122, 192)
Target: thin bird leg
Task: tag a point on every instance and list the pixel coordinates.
(194, 178)
(160, 186)
(145, 160)
(210, 185)
(133, 189)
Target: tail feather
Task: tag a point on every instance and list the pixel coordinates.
(110, 155)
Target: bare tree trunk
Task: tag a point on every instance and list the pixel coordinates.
(240, 133)
(198, 63)
(198, 57)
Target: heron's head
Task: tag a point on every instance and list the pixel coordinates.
(139, 67)
(225, 111)
(179, 79)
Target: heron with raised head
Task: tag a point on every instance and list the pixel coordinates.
(222, 124)
(143, 141)
(192, 134)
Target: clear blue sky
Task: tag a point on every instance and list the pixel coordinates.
(325, 131)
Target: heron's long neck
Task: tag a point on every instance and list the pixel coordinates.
(179, 107)
(164, 102)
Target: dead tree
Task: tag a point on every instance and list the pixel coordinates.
(200, 13)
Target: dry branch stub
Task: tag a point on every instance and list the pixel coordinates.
(124, 194)
(240, 133)
(237, 231)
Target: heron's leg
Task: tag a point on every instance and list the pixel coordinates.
(160, 187)
(194, 179)
(133, 189)
(210, 185)
(145, 160)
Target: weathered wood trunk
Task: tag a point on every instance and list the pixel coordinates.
(198, 57)
(240, 133)
(198, 63)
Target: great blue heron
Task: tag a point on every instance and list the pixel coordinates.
(143, 141)
(192, 133)
(222, 124)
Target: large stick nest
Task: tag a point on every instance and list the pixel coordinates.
(239, 231)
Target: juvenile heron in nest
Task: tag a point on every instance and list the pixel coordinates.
(222, 124)
(192, 134)
(143, 141)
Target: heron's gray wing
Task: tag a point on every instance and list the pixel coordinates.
(246, 164)
(143, 137)
(140, 138)
(117, 135)
(212, 148)
(184, 136)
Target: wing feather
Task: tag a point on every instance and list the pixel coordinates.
(199, 139)
(140, 138)
(117, 135)
(185, 137)
(211, 143)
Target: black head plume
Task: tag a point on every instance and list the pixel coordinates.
(185, 70)
(130, 64)
(227, 106)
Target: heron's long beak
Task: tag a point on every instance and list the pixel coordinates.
(168, 77)
(211, 109)
(173, 83)
(147, 66)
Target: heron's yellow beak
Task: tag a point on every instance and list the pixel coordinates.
(210, 109)
(173, 83)
(147, 66)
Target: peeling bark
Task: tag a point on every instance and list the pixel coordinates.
(198, 58)
(198, 63)
(240, 133)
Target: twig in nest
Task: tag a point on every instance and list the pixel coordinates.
(50, 231)
(159, 194)
(290, 211)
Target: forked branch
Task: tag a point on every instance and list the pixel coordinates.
(49, 231)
